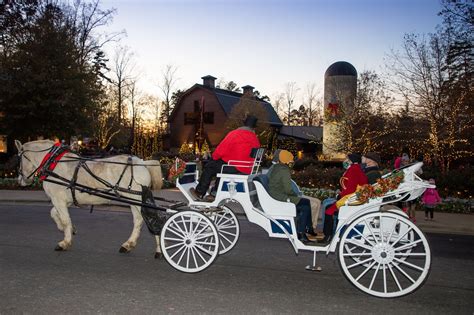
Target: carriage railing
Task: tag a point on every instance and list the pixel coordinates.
(253, 165)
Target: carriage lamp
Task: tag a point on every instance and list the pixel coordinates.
(231, 186)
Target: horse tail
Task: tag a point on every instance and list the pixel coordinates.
(153, 166)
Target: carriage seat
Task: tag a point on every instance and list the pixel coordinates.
(267, 203)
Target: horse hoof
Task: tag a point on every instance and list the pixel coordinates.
(59, 248)
(158, 255)
(123, 250)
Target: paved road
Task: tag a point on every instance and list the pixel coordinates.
(258, 276)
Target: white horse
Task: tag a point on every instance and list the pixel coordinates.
(113, 170)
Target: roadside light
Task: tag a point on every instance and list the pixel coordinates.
(79, 142)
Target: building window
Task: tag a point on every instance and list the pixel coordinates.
(190, 118)
(209, 118)
(3, 144)
(197, 107)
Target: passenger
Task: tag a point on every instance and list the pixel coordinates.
(279, 183)
(352, 177)
(402, 160)
(236, 146)
(315, 202)
(370, 166)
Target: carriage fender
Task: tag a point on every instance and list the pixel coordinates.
(154, 168)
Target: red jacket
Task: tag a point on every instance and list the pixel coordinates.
(237, 146)
(349, 181)
(431, 197)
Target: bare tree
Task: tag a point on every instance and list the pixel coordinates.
(421, 74)
(87, 18)
(167, 86)
(279, 104)
(123, 68)
(105, 127)
(291, 90)
(312, 101)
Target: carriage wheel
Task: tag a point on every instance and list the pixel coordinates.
(384, 261)
(229, 229)
(189, 241)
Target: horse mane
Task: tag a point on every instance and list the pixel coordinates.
(38, 144)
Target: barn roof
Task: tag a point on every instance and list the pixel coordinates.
(228, 99)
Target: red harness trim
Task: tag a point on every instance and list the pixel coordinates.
(53, 163)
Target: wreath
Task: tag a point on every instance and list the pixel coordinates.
(177, 170)
(383, 185)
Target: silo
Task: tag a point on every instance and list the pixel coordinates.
(340, 88)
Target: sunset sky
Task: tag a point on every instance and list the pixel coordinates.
(265, 43)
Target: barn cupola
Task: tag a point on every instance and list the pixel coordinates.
(209, 81)
(248, 90)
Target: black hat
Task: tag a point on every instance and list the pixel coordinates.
(250, 121)
(355, 157)
(373, 156)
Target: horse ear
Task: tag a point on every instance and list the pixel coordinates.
(18, 145)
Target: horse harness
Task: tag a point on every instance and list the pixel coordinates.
(53, 157)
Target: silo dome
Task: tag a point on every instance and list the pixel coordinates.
(340, 68)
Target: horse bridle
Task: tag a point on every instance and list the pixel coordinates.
(21, 154)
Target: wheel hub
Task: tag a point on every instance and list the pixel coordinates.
(383, 253)
(189, 241)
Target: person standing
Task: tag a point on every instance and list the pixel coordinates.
(236, 146)
(430, 199)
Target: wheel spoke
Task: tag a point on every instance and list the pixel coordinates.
(222, 236)
(204, 236)
(178, 233)
(384, 270)
(200, 255)
(374, 276)
(410, 254)
(401, 236)
(356, 254)
(381, 229)
(358, 232)
(358, 244)
(394, 277)
(365, 271)
(228, 233)
(182, 255)
(204, 250)
(173, 239)
(221, 222)
(359, 263)
(184, 224)
(205, 243)
(179, 250)
(221, 227)
(187, 257)
(409, 245)
(404, 273)
(173, 246)
(393, 230)
(370, 229)
(408, 264)
(194, 257)
(197, 225)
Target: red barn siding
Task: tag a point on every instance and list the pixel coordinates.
(181, 133)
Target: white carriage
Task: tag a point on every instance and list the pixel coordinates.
(380, 250)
